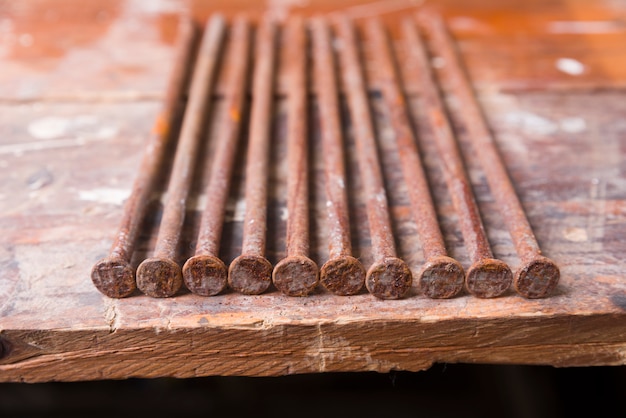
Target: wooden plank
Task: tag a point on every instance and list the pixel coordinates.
(69, 165)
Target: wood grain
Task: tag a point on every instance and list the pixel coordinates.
(61, 200)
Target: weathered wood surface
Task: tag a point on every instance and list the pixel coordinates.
(76, 106)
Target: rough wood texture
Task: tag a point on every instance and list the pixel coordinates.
(74, 101)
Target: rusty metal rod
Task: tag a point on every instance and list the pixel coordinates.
(204, 273)
(538, 275)
(251, 272)
(113, 275)
(161, 276)
(297, 274)
(389, 277)
(441, 276)
(342, 274)
(486, 277)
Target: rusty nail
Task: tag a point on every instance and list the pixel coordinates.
(538, 275)
(342, 274)
(251, 272)
(486, 277)
(204, 273)
(389, 277)
(161, 276)
(441, 276)
(113, 275)
(297, 274)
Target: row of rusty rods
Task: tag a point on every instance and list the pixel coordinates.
(342, 274)
(297, 274)
(161, 276)
(251, 272)
(441, 276)
(204, 273)
(113, 275)
(389, 277)
(487, 277)
(538, 276)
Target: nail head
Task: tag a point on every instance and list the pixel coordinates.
(343, 276)
(114, 277)
(250, 274)
(159, 277)
(205, 275)
(441, 278)
(488, 278)
(389, 279)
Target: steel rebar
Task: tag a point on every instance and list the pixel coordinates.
(538, 276)
(487, 277)
(204, 273)
(297, 274)
(251, 272)
(114, 276)
(388, 277)
(342, 274)
(441, 276)
(161, 276)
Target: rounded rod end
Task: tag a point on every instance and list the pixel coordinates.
(488, 278)
(205, 275)
(344, 275)
(441, 278)
(250, 274)
(390, 278)
(159, 277)
(296, 275)
(114, 277)
(537, 278)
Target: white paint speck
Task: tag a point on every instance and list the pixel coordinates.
(573, 125)
(104, 195)
(570, 66)
(26, 40)
(585, 26)
(575, 234)
(284, 214)
(465, 23)
(106, 132)
(532, 123)
(153, 7)
(49, 127)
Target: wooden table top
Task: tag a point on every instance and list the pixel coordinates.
(80, 85)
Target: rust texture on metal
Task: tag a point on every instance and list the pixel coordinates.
(204, 273)
(297, 274)
(538, 276)
(342, 274)
(389, 277)
(251, 272)
(114, 276)
(161, 276)
(487, 277)
(441, 276)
